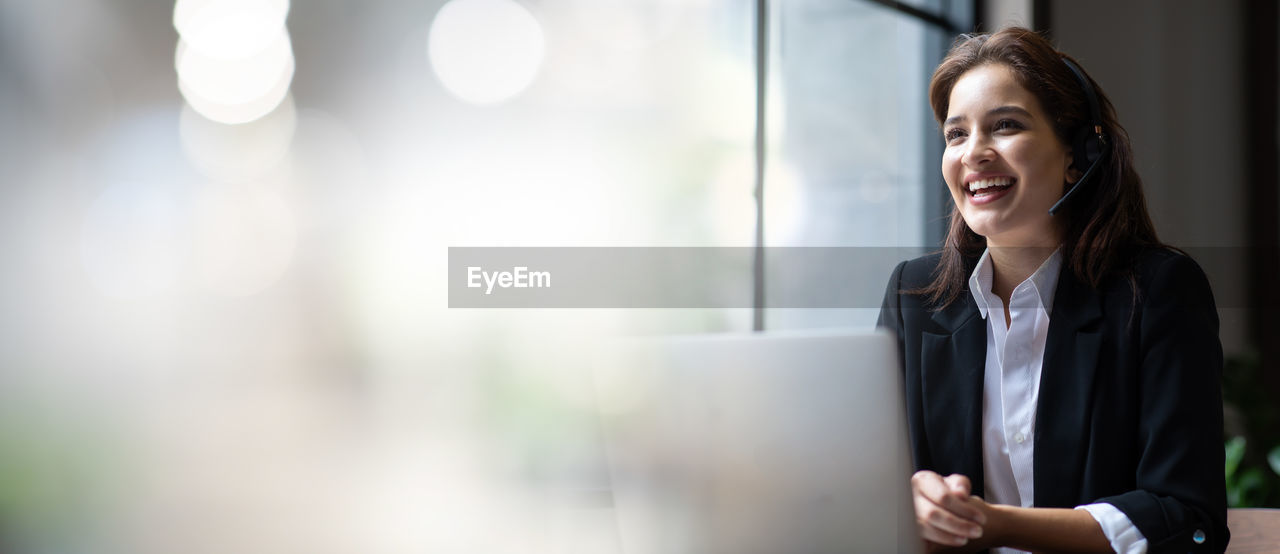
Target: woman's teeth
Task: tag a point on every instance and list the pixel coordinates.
(984, 187)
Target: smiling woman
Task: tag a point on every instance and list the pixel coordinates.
(1061, 366)
(1001, 146)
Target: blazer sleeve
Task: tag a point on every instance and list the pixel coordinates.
(1180, 501)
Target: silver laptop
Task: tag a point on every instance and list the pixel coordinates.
(761, 443)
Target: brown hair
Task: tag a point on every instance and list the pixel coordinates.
(1105, 222)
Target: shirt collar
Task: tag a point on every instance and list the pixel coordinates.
(980, 283)
(1045, 281)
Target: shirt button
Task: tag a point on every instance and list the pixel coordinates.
(1198, 536)
(1018, 438)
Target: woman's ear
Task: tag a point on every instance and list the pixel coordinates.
(1072, 173)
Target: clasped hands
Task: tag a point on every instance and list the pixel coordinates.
(948, 515)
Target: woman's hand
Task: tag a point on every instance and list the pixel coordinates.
(947, 514)
(953, 520)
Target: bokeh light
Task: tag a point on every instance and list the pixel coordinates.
(234, 59)
(235, 81)
(485, 51)
(238, 90)
(229, 29)
(232, 114)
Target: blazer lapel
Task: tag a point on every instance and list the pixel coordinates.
(1066, 385)
(953, 360)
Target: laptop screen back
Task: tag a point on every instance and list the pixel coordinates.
(757, 444)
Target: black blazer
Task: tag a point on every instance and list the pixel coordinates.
(1130, 406)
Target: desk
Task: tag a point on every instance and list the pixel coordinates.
(1253, 530)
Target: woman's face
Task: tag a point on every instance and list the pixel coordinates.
(1003, 163)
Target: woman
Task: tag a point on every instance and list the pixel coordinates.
(1062, 371)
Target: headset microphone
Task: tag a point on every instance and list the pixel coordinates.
(1089, 145)
(1075, 187)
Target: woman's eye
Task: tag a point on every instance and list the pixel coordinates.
(1007, 124)
(952, 135)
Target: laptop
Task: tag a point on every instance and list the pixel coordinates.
(762, 443)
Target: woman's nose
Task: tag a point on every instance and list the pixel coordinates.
(978, 151)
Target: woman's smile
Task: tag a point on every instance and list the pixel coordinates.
(985, 188)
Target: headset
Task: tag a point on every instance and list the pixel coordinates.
(1089, 143)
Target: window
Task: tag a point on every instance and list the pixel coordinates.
(855, 162)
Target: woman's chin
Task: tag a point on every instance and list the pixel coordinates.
(997, 228)
(985, 224)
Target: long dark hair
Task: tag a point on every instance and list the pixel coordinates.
(1106, 222)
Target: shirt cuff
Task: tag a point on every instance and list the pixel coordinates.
(1124, 537)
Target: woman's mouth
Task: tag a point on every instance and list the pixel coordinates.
(983, 191)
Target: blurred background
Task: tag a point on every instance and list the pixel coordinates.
(226, 223)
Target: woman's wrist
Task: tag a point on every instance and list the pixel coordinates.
(1041, 529)
(1000, 519)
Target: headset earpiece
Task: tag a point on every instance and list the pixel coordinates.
(1089, 142)
(1086, 148)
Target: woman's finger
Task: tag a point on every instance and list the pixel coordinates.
(930, 485)
(958, 498)
(937, 490)
(938, 523)
(958, 483)
(941, 526)
(936, 535)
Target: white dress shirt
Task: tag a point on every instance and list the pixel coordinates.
(1011, 390)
